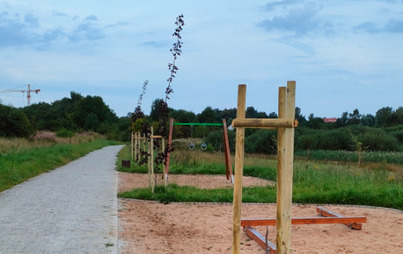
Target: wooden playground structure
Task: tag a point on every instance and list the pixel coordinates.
(141, 142)
(285, 124)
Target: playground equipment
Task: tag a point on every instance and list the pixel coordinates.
(139, 143)
(203, 146)
(329, 217)
(285, 156)
(285, 125)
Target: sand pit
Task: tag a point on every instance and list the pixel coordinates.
(152, 227)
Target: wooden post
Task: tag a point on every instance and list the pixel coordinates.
(163, 171)
(285, 169)
(131, 145)
(239, 156)
(171, 127)
(227, 153)
(152, 181)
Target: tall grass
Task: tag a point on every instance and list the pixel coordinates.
(314, 182)
(350, 156)
(24, 160)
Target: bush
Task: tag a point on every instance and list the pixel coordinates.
(215, 139)
(379, 141)
(63, 133)
(14, 123)
(262, 141)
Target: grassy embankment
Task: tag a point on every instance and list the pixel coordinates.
(22, 159)
(326, 182)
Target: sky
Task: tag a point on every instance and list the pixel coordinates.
(343, 55)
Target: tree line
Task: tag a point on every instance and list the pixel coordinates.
(382, 131)
(351, 131)
(74, 114)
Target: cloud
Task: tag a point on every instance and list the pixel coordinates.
(157, 44)
(59, 13)
(87, 30)
(393, 26)
(273, 5)
(300, 21)
(16, 31)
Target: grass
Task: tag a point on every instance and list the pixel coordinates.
(25, 159)
(325, 182)
(349, 156)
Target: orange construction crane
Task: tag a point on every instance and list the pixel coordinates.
(28, 91)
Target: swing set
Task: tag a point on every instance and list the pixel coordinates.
(203, 146)
(139, 143)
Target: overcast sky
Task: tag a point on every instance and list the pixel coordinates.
(343, 54)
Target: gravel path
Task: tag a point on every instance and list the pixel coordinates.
(72, 209)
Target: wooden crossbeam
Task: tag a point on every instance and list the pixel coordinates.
(265, 123)
(305, 220)
(259, 238)
(352, 224)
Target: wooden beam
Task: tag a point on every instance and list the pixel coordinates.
(265, 123)
(305, 220)
(239, 157)
(259, 239)
(351, 224)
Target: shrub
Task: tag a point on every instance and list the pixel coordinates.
(262, 141)
(63, 133)
(14, 123)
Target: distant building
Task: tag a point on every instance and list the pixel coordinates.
(329, 120)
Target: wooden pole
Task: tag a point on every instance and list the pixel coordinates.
(163, 171)
(171, 127)
(227, 153)
(131, 145)
(152, 160)
(265, 123)
(239, 156)
(285, 169)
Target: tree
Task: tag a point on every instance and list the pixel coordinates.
(208, 115)
(368, 120)
(382, 116)
(14, 123)
(355, 117)
(156, 107)
(314, 122)
(300, 118)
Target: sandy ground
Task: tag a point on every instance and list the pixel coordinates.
(152, 227)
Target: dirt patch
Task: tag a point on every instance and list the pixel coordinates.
(152, 227)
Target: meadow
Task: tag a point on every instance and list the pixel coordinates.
(22, 158)
(315, 181)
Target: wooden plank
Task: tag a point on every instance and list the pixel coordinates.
(239, 157)
(265, 122)
(304, 220)
(327, 213)
(259, 239)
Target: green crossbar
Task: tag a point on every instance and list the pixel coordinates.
(200, 124)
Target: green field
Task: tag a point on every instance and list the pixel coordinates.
(22, 159)
(320, 182)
